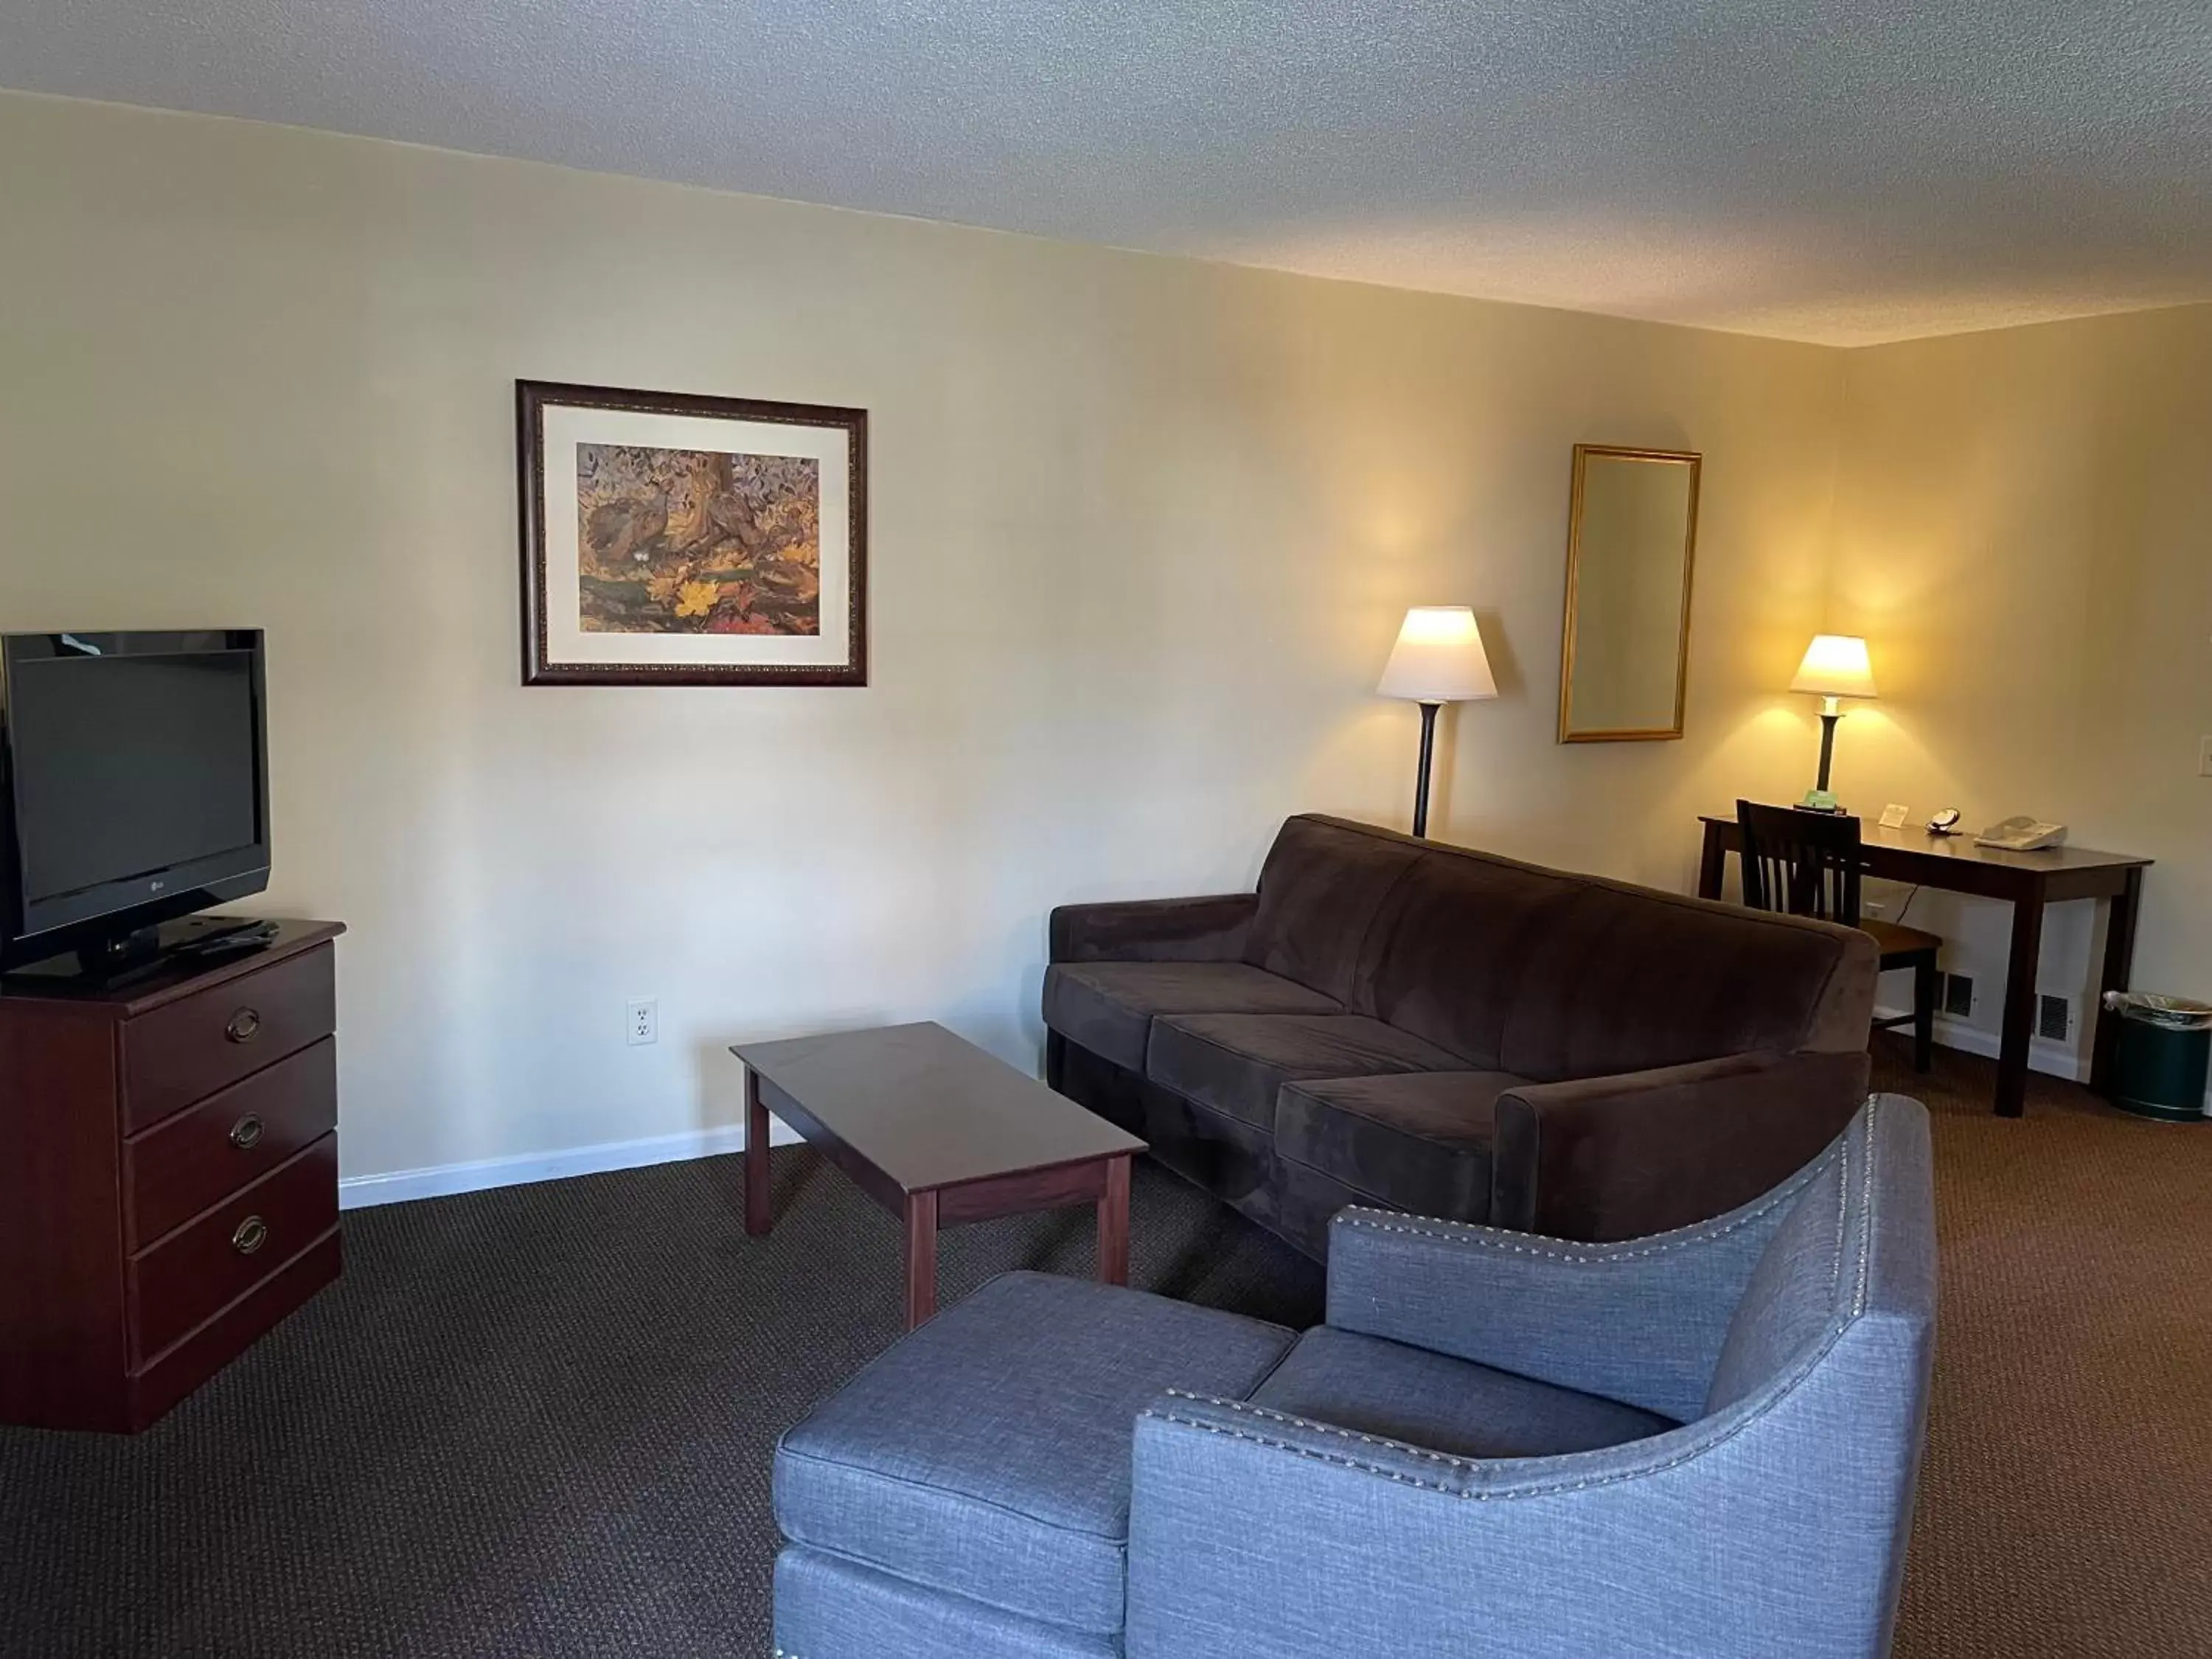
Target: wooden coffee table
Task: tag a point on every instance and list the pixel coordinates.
(938, 1133)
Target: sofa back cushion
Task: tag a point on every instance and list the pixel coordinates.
(1626, 978)
(1544, 973)
(1452, 943)
(1320, 890)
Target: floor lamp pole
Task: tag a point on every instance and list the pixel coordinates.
(1421, 783)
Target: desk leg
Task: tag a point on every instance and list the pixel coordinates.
(1114, 1224)
(2119, 964)
(2019, 1026)
(920, 1257)
(757, 1218)
(1712, 863)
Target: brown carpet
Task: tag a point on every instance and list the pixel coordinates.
(536, 1421)
(2066, 1501)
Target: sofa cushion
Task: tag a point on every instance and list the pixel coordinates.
(1418, 1141)
(1623, 979)
(1371, 1386)
(1450, 944)
(825, 1604)
(1108, 1007)
(987, 1453)
(1235, 1064)
(1320, 890)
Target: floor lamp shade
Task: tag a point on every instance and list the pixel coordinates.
(1438, 660)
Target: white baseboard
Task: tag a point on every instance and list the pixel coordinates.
(477, 1174)
(2053, 1059)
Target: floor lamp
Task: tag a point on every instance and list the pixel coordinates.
(1438, 660)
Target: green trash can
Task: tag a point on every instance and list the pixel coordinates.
(2160, 1055)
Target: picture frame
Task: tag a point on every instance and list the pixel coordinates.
(671, 539)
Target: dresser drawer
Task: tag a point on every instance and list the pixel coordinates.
(204, 1154)
(184, 1052)
(192, 1275)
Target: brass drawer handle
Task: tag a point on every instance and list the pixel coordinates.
(245, 1134)
(253, 1233)
(244, 1026)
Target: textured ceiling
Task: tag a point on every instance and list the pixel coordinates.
(1835, 170)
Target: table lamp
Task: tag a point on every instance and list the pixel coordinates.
(1438, 660)
(1835, 667)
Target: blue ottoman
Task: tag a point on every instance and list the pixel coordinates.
(967, 1492)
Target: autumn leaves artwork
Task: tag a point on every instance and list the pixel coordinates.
(677, 538)
(686, 541)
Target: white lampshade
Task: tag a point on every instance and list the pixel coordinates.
(1835, 666)
(1438, 658)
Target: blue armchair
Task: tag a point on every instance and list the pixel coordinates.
(1701, 1444)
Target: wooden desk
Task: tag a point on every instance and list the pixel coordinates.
(2028, 881)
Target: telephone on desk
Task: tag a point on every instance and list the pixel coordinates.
(2022, 834)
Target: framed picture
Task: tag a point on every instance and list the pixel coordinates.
(674, 540)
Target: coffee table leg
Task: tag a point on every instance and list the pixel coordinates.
(757, 1218)
(920, 1257)
(1114, 1224)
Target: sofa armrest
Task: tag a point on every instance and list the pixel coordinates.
(1641, 1321)
(1210, 929)
(1616, 1157)
(1257, 1535)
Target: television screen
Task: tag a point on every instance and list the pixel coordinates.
(130, 766)
(136, 784)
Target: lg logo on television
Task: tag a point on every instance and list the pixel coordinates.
(156, 886)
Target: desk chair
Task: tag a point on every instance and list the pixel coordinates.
(1807, 865)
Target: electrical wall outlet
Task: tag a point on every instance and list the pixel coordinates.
(641, 1024)
(1959, 996)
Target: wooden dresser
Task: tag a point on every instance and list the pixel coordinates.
(168, 1177)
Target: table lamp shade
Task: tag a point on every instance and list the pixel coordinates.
(1438, 658)
(1835, 666)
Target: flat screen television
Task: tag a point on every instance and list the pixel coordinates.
(133, 788)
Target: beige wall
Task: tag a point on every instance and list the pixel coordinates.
(2024, 534)
(1142, 533)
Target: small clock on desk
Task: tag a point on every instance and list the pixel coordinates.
(1945, 822)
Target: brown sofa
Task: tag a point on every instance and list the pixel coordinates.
(1395, 1023)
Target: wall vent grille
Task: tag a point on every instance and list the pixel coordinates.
(1959, 995)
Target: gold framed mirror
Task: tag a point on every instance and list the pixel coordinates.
(1631, 548)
